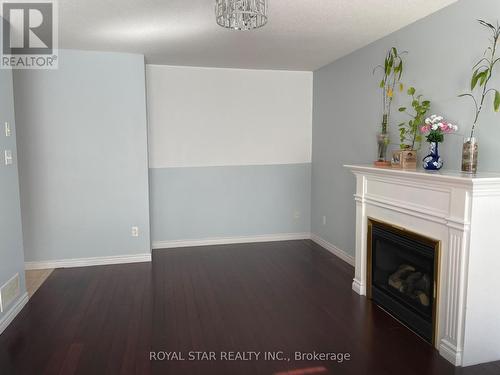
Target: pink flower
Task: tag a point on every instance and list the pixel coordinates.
(448, 128)
(425, 128)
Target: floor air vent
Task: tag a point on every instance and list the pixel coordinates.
(9, 292)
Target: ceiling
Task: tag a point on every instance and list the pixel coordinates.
(300, 34)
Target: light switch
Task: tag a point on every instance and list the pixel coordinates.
(8, 157)
(8, 130)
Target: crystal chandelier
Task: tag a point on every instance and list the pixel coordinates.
(241, 14)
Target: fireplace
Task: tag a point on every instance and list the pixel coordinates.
(460, 213)
(402, 275)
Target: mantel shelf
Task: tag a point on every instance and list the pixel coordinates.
(450, 176)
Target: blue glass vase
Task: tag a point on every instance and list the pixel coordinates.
(433, 161)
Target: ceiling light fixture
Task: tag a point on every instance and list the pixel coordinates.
(241, 14)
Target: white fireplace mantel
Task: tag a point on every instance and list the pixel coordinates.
(463, 213)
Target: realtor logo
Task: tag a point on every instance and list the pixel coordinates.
(29, 35)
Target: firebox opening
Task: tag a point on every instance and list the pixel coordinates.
(403, 275)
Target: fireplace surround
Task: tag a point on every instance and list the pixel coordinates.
(459, 211)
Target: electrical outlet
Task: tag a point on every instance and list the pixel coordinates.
(8, 130)
(296, 215)
(324, 220)
(135, 231)
(9, 292)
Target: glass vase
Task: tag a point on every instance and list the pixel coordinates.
(383, 143)
(433, 161)
(469, 155)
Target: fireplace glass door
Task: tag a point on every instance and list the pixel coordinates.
(402, 276)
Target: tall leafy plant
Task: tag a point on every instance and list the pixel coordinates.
(482, 73)
(392, 73)
(409, 131)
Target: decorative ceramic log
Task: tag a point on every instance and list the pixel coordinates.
(409, 283)
(397, 278)
(423, 298)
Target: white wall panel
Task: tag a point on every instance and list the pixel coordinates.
(217, 117)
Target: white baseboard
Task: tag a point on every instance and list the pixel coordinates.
(231, 240)
(260, 238)
(450, 353)
(333, 249)
(358, 287)
(146, 257)
(12, 312)
(85, 262)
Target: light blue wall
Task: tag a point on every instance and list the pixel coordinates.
(11, 242)
(347, 106)
(229, 201)
(82, 140)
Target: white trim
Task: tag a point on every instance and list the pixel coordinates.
(230, 240)
(85, 262)
(358, 287)
(333, 249)
(450, 352)
(222, 165)
(138, 258)
(12, 312)
(159, 245)
(482, 182)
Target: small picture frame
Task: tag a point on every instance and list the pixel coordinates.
(404, 159)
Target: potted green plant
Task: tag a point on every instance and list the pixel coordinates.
(410, 136)
(409, 131)
(479, 90)
(392, 72)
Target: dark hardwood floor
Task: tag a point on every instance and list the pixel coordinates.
(284, 296)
